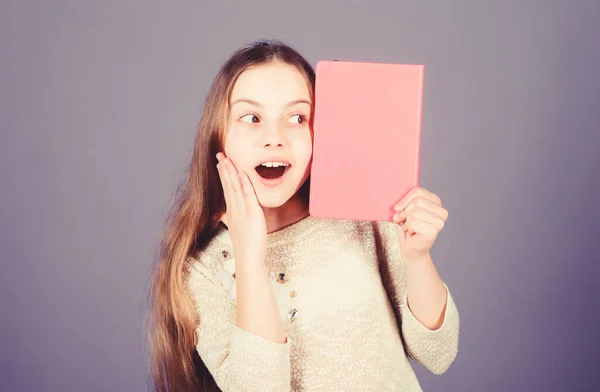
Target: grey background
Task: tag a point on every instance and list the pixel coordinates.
(99, 103)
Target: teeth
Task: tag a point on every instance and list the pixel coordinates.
(274, 164)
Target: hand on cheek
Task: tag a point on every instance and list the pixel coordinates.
(244, 216)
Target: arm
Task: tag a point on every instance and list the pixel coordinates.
(426, 292)
(257, 310)
(432, 343)
(238, 359)
(240, 338)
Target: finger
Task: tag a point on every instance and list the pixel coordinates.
(414, 193)
(431, 196)
(234, 178)
(224, 177)
(413, 227)
(429, 218)
(220, 156)
(248, 189)
(421, 203)
(407, 199)
(227, 178)
(419, 214)
(429, 205)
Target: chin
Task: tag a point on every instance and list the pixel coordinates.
(272, 201)
(275, 196)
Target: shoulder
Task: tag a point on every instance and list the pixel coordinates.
(387, 231)
(383, 231)
(212, 264)
(362, 230)
(379, 235)
(215, 252)
(344, 228)
(383, 235)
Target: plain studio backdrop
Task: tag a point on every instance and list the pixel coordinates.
(99, 103)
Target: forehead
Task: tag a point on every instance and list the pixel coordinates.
(272, 84)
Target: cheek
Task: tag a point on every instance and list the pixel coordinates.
(303, 150)
(307, 147)
(234, 149)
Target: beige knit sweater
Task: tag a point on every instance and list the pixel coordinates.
(341, 290)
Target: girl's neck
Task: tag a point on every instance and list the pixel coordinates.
(292, 211)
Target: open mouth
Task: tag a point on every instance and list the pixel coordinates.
(272, 170)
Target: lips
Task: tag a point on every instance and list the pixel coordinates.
(272, 169)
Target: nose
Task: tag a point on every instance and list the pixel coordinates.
(273, 137)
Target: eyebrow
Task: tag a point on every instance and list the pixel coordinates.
(255, 103)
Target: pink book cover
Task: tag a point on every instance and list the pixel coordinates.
(367, 133)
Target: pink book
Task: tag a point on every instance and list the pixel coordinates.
(367, 132)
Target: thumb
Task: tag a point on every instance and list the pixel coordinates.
(402, 234)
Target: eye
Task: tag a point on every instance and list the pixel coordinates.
(298, 119)
(250, 118)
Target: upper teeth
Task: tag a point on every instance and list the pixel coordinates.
(274, 164)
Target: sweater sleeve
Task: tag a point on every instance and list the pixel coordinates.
(237, 359)
(433, 349)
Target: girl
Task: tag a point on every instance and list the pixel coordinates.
(253, 294)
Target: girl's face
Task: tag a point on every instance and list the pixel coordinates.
(267, 133)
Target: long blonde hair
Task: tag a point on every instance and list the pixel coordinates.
(191, 223)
